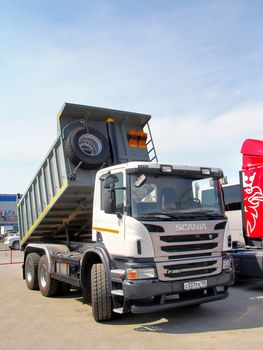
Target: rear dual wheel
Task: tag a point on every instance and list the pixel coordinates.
(38, 277)
(31, 271)
(48, 286)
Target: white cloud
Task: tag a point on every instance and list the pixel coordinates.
(199, 134)
(208, 142)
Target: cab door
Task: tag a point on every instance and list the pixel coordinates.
(110, 227)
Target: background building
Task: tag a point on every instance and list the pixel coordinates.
(8, 214)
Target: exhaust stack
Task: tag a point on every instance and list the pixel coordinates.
(111, 130)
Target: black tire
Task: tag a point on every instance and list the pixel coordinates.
(64, 288)
(48, 286)
(100, 294)
(16, 245)
(31, 271)
(91, 148)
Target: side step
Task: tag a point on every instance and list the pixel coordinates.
(119, 310)
(118, 292)
(67, 279)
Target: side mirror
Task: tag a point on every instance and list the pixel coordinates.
(109, 204)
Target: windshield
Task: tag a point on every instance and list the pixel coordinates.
(175, 197)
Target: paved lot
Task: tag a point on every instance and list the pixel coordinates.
(9, 256)
(30, 321)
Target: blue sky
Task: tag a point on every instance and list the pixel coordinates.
(195, 66)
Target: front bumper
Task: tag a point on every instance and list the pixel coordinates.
(156, 293)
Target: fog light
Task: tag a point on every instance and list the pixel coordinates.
(141, 273)
(227, 264)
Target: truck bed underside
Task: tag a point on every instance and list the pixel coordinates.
(70, 214)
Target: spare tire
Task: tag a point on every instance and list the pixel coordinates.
(89, 147)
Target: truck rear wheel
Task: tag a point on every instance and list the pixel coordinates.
(100, 294)
(87, 146)
(48, 286)
(31, 271)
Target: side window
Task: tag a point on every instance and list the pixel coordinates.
(117, 179)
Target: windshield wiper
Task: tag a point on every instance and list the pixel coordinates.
(179, 216)
(159, 215)
(195, 215)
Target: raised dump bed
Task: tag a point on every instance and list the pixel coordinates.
(58, 203)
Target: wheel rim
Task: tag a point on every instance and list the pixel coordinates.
(29, 271)
(90, 144)
(43, 276)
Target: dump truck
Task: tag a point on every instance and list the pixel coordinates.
(133, 234)
(248, 252)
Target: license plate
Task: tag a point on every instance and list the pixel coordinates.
(195, 285)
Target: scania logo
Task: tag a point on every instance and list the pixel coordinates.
(190, 227)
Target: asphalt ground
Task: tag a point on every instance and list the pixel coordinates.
(30, 321)
(8, 255)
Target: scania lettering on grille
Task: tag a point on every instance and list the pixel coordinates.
(190, 227)
(175, 271)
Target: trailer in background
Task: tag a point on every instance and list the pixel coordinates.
(248, 258)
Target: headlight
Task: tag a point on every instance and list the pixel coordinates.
(140, 273)
(227, 264)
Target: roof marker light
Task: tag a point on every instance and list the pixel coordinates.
(166, 168)
(205, 171)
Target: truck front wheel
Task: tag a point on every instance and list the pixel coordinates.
(31, 271)
(48, 286)
(100, 294)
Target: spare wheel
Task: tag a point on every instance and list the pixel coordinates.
(89, 147)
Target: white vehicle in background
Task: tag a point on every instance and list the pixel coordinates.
(232, 199)
(12, 240)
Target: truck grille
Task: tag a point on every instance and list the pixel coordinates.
(187, 255)
(191, 247)
(189, 268)
(189, 238)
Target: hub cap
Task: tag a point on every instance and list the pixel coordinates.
(90, 144)
(43, 276)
